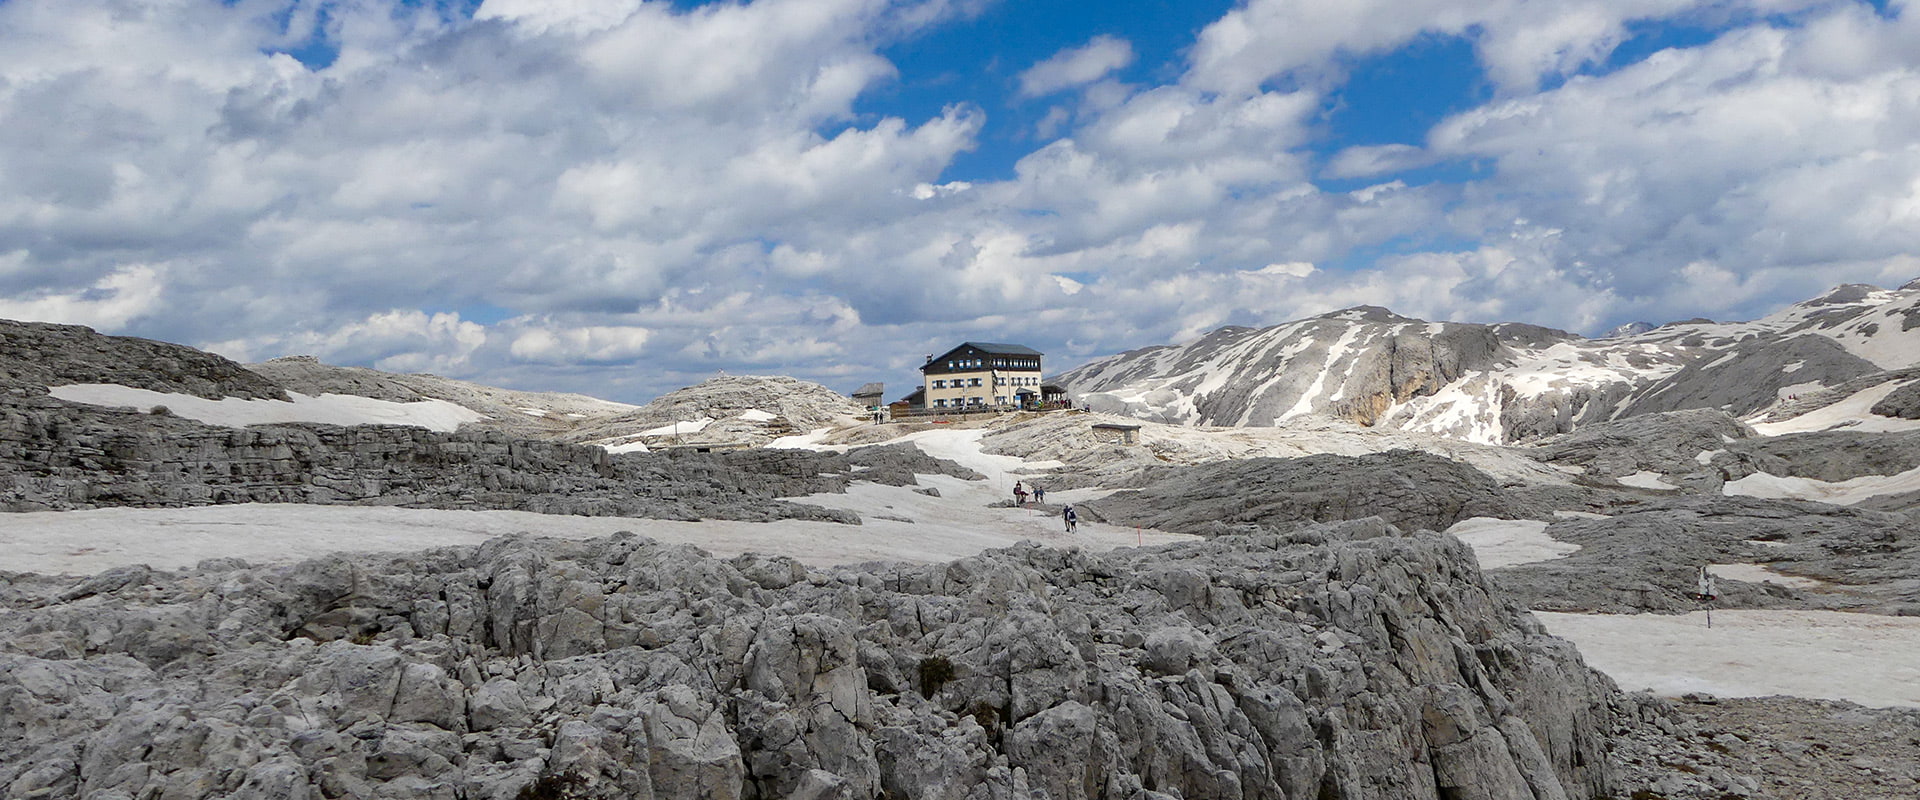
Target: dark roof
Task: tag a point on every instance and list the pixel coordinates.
(1004, 349)
(868, 389)
(1114, 426)
(991, 348)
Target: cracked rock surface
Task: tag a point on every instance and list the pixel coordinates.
(1410, 489)
(1341, 661)
(60, 456)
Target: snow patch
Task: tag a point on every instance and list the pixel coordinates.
(1842, 493)
(1646, 480)
(1707, 456)
(235, 412)
(1760, 573)
(1854, 413)
(756, 415)
(676, 428)
(1509, 542)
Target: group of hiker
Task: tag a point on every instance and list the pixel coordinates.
(1039, 494)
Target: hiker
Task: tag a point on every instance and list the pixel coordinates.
(1072, 519)
(1019, 493)
(1039, 495)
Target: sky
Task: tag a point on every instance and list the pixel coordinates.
(619, 198)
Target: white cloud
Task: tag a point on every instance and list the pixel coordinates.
(595, 343)
(1731, 152)
(398, 340)
(1371, 160)
(1077, 66)
(576, 17)
(689, 189)
(127, 294)
(1519, 41)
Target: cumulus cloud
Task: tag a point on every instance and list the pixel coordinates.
(1077, 66)
(594, 343)
(1520, 42)
(1731, 153)
(621, 197)
(398, 340)
(111, 302)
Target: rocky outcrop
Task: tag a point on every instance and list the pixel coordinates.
(1828, 455)
(1713, 748)
(57, 456)
(735, 410)
(36, 355)
(1751, 376)
(1343, 662)
(1669, 443)
(1645, 558)
(1902, 403)
(1409, 489)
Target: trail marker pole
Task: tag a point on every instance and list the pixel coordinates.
(1706, 592)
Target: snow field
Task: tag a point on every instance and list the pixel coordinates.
(1864, 658)
(1868, 659)
(328, 409)
(85, 542)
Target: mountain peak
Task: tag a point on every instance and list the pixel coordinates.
(1628, 329)
(1366, 314)
(1845, 294)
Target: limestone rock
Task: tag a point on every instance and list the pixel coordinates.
(35, 355)
(1902, 403)
(1408, 489)
(1340, 661)
(59, 456)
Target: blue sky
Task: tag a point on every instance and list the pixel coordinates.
(621, 197)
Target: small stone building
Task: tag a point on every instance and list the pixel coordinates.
(1116, 433)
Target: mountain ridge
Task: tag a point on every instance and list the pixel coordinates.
(1502, 382)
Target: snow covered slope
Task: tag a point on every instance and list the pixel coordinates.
(540, 414)
(1508, 382)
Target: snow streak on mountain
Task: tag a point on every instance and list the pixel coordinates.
(1505, 382)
